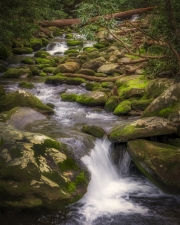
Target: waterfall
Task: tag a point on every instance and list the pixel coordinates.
(108, 191)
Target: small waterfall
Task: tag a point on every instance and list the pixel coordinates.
(108, 192)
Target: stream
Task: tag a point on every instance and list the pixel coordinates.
(115, 195)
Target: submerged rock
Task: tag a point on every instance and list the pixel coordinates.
(145, 127)
(36, 171)
(159, 162)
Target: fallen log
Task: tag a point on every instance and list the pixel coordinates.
(93, 78)
(68, 22)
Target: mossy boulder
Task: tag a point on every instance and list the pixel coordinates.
(111, 103)
(36, 43)
(42, 74)
(45, 61)
(49, 69)
(28, 61)
(34, 70)
(17, 73)
(87, 72)
(25, 84)
(132, 86)
(59, 79)
(22, 98)
(157, 87)
(3, 52)
(69, 67)
(123, 108)
(91, 85)
(71, 50)
(141, 128)
(140, 104)
(93, 130)
(99, 45)
(107, 85)
(74, 42)
(40, 53)
(94, 64)
(109, 68)
(167, 105)
(95, 98)
(159, 162)
(22, 50)
(37, 171)
(90, 49)
(68, 97)
(69, 36)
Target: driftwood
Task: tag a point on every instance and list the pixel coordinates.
(68, 22)
(94, 78)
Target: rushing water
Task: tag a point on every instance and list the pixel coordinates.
(114, 195)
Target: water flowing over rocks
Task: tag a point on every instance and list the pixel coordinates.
(36, 171)
(157, 161)
(141, 128)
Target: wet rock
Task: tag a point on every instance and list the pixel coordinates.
(36, 171)
(167, 105)
(94, 64)
(159, 162)
(123, 108)
(108, 68)
(23, 98)
(17, 73)
(141, 128)
(69, 67)
(59, 79)
(94, 131)
(95, 98)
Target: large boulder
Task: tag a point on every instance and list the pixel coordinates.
(159, 162)
(23, 98)
(93, 130)
(95, 98)
(145, 127)
(69, 67)
(108, 68)
(167, 105)
(59, 79)
(94, 64)
(157, 87)
(36, 171)
(132, 86)
(17, 73)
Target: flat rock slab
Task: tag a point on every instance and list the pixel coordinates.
(145, 127)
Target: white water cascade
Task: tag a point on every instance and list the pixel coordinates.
(108, 192)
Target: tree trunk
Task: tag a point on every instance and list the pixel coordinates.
(68, 22)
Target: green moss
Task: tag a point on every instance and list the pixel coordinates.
(87, 72)
(123, 108)
(127, 84)
(111, 103)
(90, 49)
(99, 46)
(43, 74)
(89, 86)
(22, 50)
(69, 36)
(27, 85)
(16, 73)
(107, 84)
(68, 97)
(68, 164)
(100, 75)
(22, 98)
(72, 50)
(57, 32)
(34, 71)
(59, 79)
(166, 112)
(140, 104)
(74, 42)
(36, 43)
(39, 53)
(45, 61)
(28, 61)
(92, 100)
(71, 187)
(94, 131)
(81, 178)
(15, 153)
